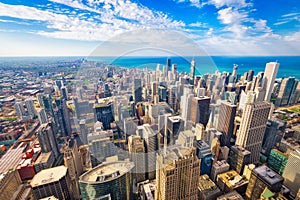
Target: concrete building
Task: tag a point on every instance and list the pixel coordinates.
(104, 113)
(252, 128)
(291, 173)
(203, 152)
(262, 177)
(218, 168)
(226, 122)
(30, 108)
(9, 183)
(177, 174)
(53, 181)
(47, 139)
(73, 162)
(200, 110)
(207, 189)
(111, 180)
(42, 116)
(186, 138)
(137, 154)
(175, 124)
(238, 158)
(269, 78)
(277, 161)
(44, 161)
(287, 91)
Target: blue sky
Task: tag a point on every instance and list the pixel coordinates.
(220, 27)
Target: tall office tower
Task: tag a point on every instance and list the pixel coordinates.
(175, 124)
(269, 78)
(137, 90)
(151, 146)
(110, 180)
(39, 98)
(192, 72)
(260, 93)
(172, 97)
(274, 133)
(246, 98)
(185, 104)
(137, 154)
(177, 174)
(238, 158)
(250, 75)
(20, 110)
(104, 114)
(262, 177)
(286, 92)
(73, 162)
(203, 152)
(291, 173)
(226, 122)
(162, 93)
(101, 146)
(52, 182)
(106, 90)
(186, 138)
(83, 131)
(62, 117)
(252, 128)
(30, 108)
(154, 88)
(42, 116)
(277, 161)
(59, 84)
(47, 139)
(218, 168)
(200, 110)
(64, 92)
(174, 72)
(207, 189)
(234, 73)
(167, 67)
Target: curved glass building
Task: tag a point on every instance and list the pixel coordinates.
(109, 181)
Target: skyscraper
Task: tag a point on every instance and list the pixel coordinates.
(167, 67)
(20, 110)
(104, 114)
(200, 110)
(73, 163)
(137, 90)
(30, 108)
(47, 139)
(192, 72)
(53, 181)
(291, 173)
(137, 153)
(110, 180)
(286, 92)
(269, 78)
(42, 116)
(238, 158)
(226, 122)
(177, 174)
(203, 152)
(252, 128)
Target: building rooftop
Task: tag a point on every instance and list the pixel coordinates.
(206, 185)
(232, 179)
(107, 171)
(240, 150)
(268, 175)
(175, 119)
(47, 176)
(11, 159)
(175, 153)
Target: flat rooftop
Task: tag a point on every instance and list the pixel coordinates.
(268, 175)
(47, 176)
(106, 172)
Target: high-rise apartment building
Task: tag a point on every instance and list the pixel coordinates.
(42, 116)
(30, 108)
(177, 174)
(252, 128)
(226, 122)
(269, 78)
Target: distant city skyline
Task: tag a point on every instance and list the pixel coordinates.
(76, 28)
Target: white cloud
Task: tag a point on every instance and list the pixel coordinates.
(230, 16)
(229, 3)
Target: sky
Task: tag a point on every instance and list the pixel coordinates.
(218, 27)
